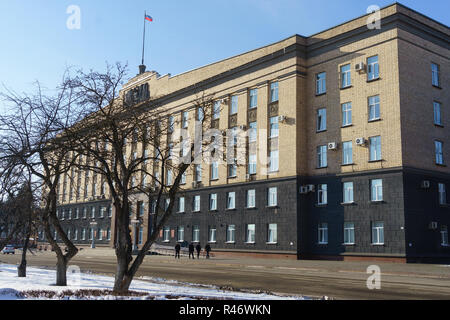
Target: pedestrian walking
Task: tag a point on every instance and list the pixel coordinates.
(198, 247)
(207, 249)
(191, 250)
(177, 251)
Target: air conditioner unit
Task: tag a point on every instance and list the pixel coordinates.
(425, 184)
(360, 141)
(433, 225)
(242, 127)
(360, 67)
(282, 118)
(332, 146)
(303, 190)
(310, 188)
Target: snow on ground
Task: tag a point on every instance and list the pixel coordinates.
(11, 286)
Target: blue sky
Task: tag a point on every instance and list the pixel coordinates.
(37, 45)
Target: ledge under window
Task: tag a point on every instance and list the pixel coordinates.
(379, 160)
(348, 244)
(321, 94)
(271, 243)
(348, 164)
(377, 244)
(346, 87)
(321, 205)
(374, 120)
(352, 203)
(437, 87)
(439, 125)
(230, 242)
(347, 125)
(272, 207)
(377, 201)
(373, 80)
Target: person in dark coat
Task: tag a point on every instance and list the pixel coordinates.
(207, 249)
(198, 247)
(191, 250)
(177, 251)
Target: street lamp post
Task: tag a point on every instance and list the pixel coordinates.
(93, 224)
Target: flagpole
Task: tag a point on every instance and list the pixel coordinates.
(143, 40)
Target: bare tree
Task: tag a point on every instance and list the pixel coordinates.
(31, 139)
(130, 144)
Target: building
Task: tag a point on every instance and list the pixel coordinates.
(357, 139)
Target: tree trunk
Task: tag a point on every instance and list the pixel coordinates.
(22, 269)
(61, 272)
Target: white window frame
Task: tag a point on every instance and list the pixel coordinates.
(349, 233)
(444, 236)
(321, 119)
(274, 127)
(272, 197)
(196, 204)
(374, 108)
(180, 234)
(231, 233)
(322, 161)
(213, 202)
(253, 98)
(251, 198)
(378, 233)
(272, 236)
(231, 200)
(347, 152)
(274, 92)
(442, 194)
(435, 74)
(373, 68)
(322, 194)
(234, 107)
(346, 75)
(250, 236)
(166, 234)
(321, 83)
(375, 148)
(439, 155)
(348, 192)
(437, 113)
(212, 234)
(181, 205)
(195, 233)
(322, 233)
(346, 114)
(273, 161)
(376, 190)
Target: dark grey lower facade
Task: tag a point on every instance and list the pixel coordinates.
(389, 213)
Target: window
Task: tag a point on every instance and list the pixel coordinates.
(200, 114)
(252, 164)
(231, 200)
(444, 236)
(273, 127)
(170, 123)
(184, 119)
(373, 69)
(214, 170)
(212, 234)
(347, 153)
(91, 233)
(69, 234)
(109, 211)
(272, 233)
(322, 194)
(232, 169)
(322, 119)
(84, 213)
(251, 198)
(213, 201)
(183, 178)
(141, 234)
(181, 204)
(272, 200)
(77, 213)
(349, 233)
(274, 92)
(323, 233)
(216, 110)
(321, 156)
(376, 190)
(140, 209)
(103, 210)
(108, 234)
(435, 75)
(273, 161)
(100, 234)
(166, 234)
(195, 233)
(374, 108)
(378, 232)
(321, 83)
(250, 235)
(169, 177)
(375, 148)
(437, 113)
(438, 152)
(75, 234)
(197, 173)
(180, 234)
(196, 204)
(231, 233)
(442, 194)
(83, 234)
(252, 132)
(348, 192)
(92, 212)
(346, 114)
(346, 79)
(253, 98)
(234, 105)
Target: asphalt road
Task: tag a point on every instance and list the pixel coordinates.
(338, 280)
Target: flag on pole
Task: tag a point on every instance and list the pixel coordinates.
(148, 18)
